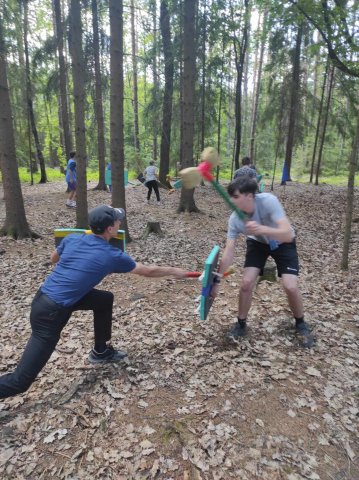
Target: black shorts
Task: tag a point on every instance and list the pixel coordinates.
(285, 256)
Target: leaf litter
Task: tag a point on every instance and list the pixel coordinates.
(188, 404)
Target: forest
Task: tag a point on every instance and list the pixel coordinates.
(128, 83)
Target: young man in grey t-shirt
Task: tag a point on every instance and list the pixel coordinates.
(269, 233)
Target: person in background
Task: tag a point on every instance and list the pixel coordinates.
(151, 181)
(108, 179)
(82, 261)
(71, 181)
(246, 170)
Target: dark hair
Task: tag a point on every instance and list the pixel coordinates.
(72, 154)
(242, 184)
(152, 162)
(246, 161)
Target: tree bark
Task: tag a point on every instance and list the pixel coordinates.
(64, 114)
(116, 109)
(98, 101)
(136, 130)
(294, 99)
(319, 121)
(187, 202)
(40, 157)
(78, 75)
(257, 89)
(168, 92)
(325, 123)
(240, 48)
(156, 87)
(350, 198)
(15, 224)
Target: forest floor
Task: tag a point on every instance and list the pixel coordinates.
(188, 403)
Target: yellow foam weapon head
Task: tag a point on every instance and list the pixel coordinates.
(210, 155)
(191, 177)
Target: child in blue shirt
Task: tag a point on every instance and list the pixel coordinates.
(71, 181)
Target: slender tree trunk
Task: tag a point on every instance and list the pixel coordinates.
(98, 101)
(168, 91)
(136, 131)
(53, 155)
(319, 121)
(187, 202)
(257, 90)
(78, 75)
(350, 198)
(40, 157)
(64, 114)
(153, 5)
(219, 123)
(294, 100)
(240, 48)
(203, 86)
(15, 224)
(325, 123)
(116, 113)
(280, 139)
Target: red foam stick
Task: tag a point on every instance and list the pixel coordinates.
(198, 274)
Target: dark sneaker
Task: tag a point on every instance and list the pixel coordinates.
(108, 356)
(237, 331)
(304, 335)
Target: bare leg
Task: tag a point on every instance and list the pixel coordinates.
(246, 291)
(291, 288)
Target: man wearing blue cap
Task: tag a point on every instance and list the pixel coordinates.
(82, 261)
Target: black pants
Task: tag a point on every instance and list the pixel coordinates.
(152, 184)
(47, 320)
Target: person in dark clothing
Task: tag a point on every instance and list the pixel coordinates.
(82, 261)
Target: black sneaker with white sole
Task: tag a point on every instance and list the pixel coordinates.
(304, 335)
(110, 355)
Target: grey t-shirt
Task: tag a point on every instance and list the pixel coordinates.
(150, 173)
(268, 210)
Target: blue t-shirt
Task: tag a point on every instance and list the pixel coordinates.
(84, 261)
(71, 165)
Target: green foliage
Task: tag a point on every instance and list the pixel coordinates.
(218, 22)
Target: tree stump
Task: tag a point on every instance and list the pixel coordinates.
(269, 271)
(152, 227)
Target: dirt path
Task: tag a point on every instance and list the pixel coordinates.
(189, 404)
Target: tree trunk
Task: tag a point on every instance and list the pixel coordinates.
(240, 48)
(136, 131)
(40, 157)
(203, 86)
(168, 92)
(350, 198)
(98, 101)
(116, 107)
(64, 114)
(187, 202)
(78, 75)
(257, 90)
(294, 99)
(319, 121)
(153, 5)
(325, 123)
(219, 123)
(15, 224)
